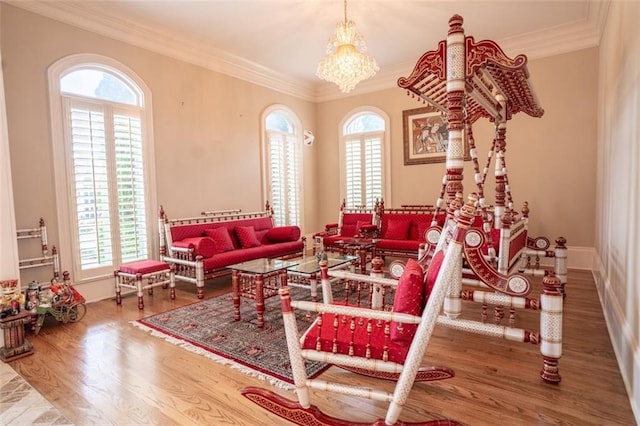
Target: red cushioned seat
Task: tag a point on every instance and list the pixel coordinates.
(358, 339)
(143, 267)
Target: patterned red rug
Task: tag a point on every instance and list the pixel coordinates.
(208, 328)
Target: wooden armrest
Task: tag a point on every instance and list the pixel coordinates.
(182, 249)
(354, 311)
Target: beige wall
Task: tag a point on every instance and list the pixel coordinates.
(206, 125)
(618, 190)
(551, 160)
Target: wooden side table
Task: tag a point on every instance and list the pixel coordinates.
(258, 280)
(15, 344)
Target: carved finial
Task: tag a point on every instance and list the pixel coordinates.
(162, 215)
(561, 242)
(376, 265)
(507, 218)
(551, 284)
(455, 24)
(525, 209)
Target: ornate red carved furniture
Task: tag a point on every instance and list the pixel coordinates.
(402, 230)
(16, 344)
(258, 280)
(397, 232)
(203, 247)
(364, 335)
(468, 80)
(352, 221)
(144, 275)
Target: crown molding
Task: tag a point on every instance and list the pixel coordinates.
(570, 37)
(188, 49)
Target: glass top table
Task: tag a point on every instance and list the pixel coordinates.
(263, 266)
(305, 273)
(361, 247)
(258, 280)
(311, 265)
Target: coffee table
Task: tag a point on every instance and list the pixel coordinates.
(360, 247)
(305, 273)
(258, 280)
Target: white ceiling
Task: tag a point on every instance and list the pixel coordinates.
(278, 43)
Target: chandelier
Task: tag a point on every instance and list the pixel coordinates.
(346, 63)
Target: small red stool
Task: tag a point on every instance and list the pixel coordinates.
(134, 275)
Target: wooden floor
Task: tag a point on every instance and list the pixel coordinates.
(103, 371)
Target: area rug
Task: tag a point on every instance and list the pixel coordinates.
(208, 328)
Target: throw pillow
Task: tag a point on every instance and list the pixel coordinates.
(364, 227)
(409, 299)
(282, 234)
(397, 230)
(221, 238)
(202, 246)
(247, 236)
(432, 273)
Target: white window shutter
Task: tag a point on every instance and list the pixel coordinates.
(130, 187)
(91, 177)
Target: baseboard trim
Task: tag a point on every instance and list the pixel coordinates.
(622, 337)
(577, 258)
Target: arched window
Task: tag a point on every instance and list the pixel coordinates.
(104, 164)
(283, 164)
(363, 154)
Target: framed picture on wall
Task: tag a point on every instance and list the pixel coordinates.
(425, 136)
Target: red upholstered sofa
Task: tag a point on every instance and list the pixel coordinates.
(203, 247)
(352, 221)
(402, 230)
(398, 232)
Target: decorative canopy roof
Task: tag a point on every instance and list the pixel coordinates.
(489, 76)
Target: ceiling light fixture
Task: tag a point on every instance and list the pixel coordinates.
(346, 63)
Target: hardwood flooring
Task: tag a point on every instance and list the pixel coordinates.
(104, 371)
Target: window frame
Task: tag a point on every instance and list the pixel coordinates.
(266, 166)
(63, 165)
(386, 149)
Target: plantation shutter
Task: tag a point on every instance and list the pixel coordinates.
(89, 152)
(108, 179)
(373, 169)
(130, 187)
(353, 160)
(278, 178)
(284, 178)
(364, 141)
(293, 181)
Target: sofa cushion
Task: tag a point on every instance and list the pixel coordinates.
(365, 226)
(281, 234)
(247, 236)
(223, 260)
(143, 267)
(409, 299)
(202, 246)
(397, 230)
(221, 238)
(350, 223)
